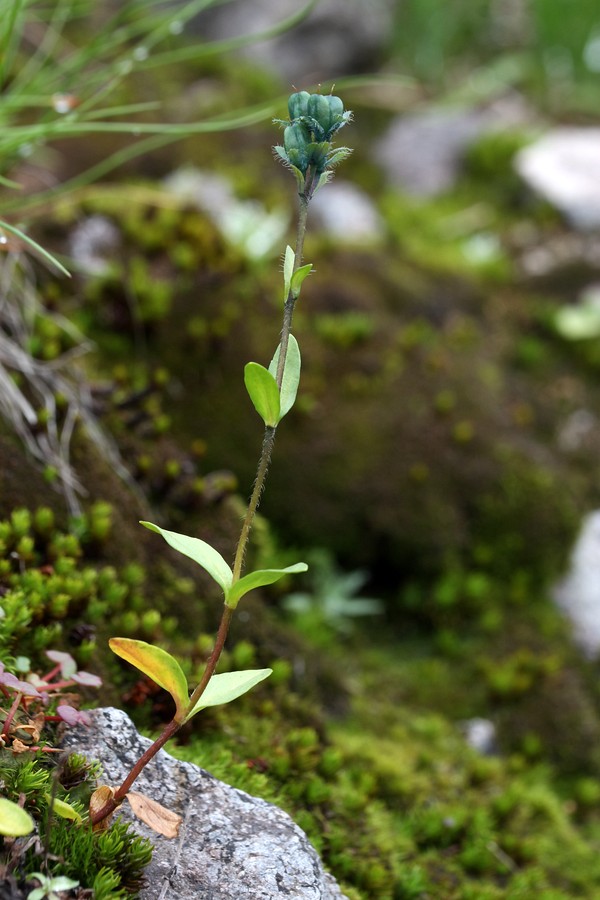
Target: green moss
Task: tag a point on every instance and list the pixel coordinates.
(410, 812)
(52, 596)
(109, 862)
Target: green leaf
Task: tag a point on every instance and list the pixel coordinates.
(37, 893)
(62, 883)
(6, 182)
(288, 271)
(228, 686)
(14, 821)
(291, 375)
(158, 665)
(264, 393)
(62, 809)
(37, 247)
(298, 277)
(259, 579)
(201, 552)
(49, 886)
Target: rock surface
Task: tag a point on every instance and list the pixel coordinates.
(231, 846)
(564, 168)
(337, 37)
(422, 153)
(578, 595)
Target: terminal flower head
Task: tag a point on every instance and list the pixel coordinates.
(307, 149)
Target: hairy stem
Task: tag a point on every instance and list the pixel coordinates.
(290, 303)
(259, 483)
(213, 659)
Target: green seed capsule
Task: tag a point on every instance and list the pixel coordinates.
(327, 113)
(297, 104)
(336, 107)
(318, 109)
(296, 137)
(296, 141)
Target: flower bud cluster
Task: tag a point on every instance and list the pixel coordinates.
(307, 136)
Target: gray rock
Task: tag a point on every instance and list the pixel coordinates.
(231, 846)
(336, 38)
(422, 153)
(93, 244)
(563, 167)
(578, 594)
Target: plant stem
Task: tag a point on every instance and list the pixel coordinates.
(145, 758)
(259, 483)
(112, 803)
(290, 303)
(265, 455)
(11, 714)
(211, 663)
(269, 438)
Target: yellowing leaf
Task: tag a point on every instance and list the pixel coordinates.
(14, 821)
(158, 665)
(155, 816)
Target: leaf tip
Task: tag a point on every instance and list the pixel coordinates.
(150, 526)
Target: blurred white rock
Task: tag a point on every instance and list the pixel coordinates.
(246, 224)
(563, 167)
(346, 212)
(93, 244)
(480, 734)
(578, 594)
(422, 153)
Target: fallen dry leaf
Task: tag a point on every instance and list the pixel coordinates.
(155, 816)
(98, 800)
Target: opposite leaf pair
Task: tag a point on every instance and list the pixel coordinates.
(213, 563)
(269, 401)
(164, 669)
